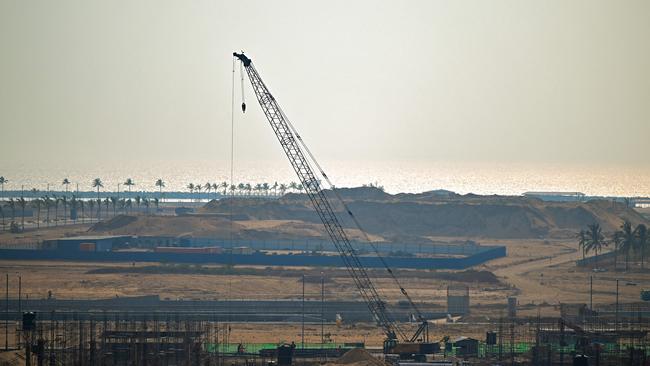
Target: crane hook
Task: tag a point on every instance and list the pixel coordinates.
(243, 96)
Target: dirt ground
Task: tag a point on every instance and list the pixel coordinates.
(540, 273)
(535, 271)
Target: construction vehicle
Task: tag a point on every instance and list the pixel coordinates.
(301, 159)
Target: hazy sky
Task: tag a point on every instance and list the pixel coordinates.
(88, 82)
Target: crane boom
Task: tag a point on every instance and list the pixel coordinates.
(312, 186)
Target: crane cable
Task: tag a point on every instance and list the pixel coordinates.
(349, 212)
(243, 97)
(354, 219)
(227, 328)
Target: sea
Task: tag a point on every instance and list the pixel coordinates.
(394, 176)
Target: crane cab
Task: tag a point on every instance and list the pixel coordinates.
(410, 350)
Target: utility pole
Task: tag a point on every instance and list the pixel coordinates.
(322, 310)
(20, 311)
(7, 316)
(591, 293)
(303, 312)
(616, 327)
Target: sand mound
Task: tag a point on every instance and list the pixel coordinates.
(407, 217)
(167, 226)
(115, 223)
(359, 357)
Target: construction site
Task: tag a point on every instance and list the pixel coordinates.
(205, 338)
(366, 297)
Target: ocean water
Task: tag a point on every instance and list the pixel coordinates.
(394, 176)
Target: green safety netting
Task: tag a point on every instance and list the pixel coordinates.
(256, 347)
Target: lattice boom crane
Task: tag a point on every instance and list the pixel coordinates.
(289, 140)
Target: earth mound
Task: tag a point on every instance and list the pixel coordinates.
(114, 223)
(442, 213)
(359, 357)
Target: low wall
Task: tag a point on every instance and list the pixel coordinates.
(595, 259)
(254, 259)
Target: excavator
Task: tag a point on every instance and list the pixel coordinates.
(304, 164)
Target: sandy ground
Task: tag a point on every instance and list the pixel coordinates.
(536, 271)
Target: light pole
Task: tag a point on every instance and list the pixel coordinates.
(302, 334)
(616, 327)
(322, 310)
(591, 293)
(7, 315)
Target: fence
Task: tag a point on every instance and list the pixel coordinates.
(255, 259)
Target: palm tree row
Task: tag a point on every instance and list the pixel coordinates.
(259, 189)
(95, 184)
(632, 242)
(245, 189)
(46, 208)
(52, 203)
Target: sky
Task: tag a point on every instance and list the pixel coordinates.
(88, 83)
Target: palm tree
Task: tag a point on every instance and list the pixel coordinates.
(208, 187)
(138, 201)
(3, 180)
(241, 187)
(224, 185)
(64, 201)
(129, 204)
(114, 201)
(293, 186)
(160, 184)
(258, 189)
(595, 238)
(122, 204)
(191, 188)
(642, 241)
(12, 207)
(66, 183)
(73, 208)
(266, 187)
(145, 202)
(215, 187)
(283, 189)
(82, 205)
(197, 188)
(275, 188)
(91, 206)
(47, 201)
(55, 201)
(582, 242)
(97, 183)
(107, 203)
(233, 188)
(249, 188)
(617, 239)
(36, 203)
(300, 188)
(22, 203)
(627, 241)
(129, 183)
(156, 203)
(99, 208)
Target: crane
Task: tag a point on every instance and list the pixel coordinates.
(291, 143)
